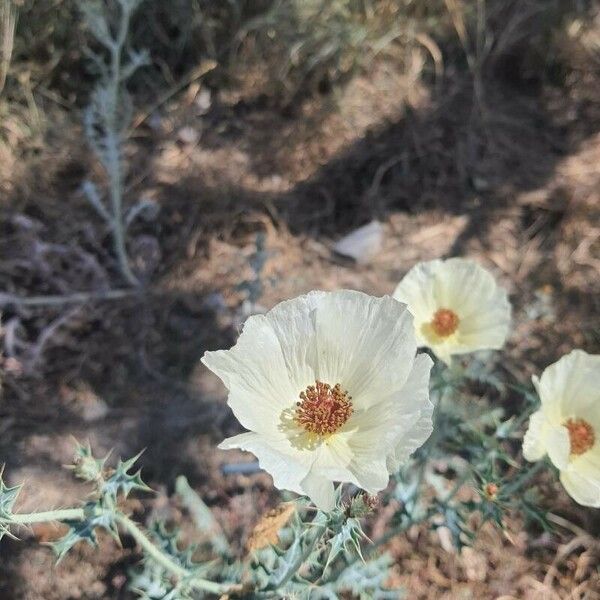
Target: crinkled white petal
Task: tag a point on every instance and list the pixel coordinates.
(466, 288)
(558, 445)
(294, 473)
(338, 459)
(571, 388)
(416, 391)
(256, 376)
(582, 478)
(584, 490)
(320, 490)
(381, 436)
(589, 463)
(294, 324)
(464, 285)
(365, 344)
(543, 437)
(487, 330)
(568, 389)
(534, 442)
(273, 456)
(417, 290)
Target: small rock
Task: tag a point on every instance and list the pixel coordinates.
(474, 564)
(215, 302)
(188, 135)
(362, 244)
(203, 101)
(85, 402)
(155, 121)
(445, 537)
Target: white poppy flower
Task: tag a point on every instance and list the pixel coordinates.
(457, 306)
(567, 425)
(331, 390)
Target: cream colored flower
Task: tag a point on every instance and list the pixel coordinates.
(331, 390)
(567, 425)
(457, 307)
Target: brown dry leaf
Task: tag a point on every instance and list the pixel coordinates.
(266, 531)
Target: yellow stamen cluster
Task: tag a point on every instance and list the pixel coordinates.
(581, 435)
(444, 322)
(323, 409)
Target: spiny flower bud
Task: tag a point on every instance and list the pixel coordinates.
(362, 505)
(85, 466)
(491, 490)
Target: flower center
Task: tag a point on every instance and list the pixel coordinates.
(323, 409)
(581, 435)
(444, 322)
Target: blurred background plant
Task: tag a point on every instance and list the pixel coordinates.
(108, 117)
(8, 19)
(293, 47)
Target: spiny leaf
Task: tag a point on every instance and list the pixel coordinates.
(85, 531)
(367, 580)
(8, 497)
(351, 533)
(121, 481)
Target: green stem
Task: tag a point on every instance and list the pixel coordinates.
(67, 514)
(295, 566)
(166, 561)
(126, 524)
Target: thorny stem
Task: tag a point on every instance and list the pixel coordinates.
(295, 565)
(79, 514)
(442, 386)
(392, 533)
(151, 550)
(516, 485)
(67, 514)
(412, 520)
(113, 146)
(167, 562)
(415, 521)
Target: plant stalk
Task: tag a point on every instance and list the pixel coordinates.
(67, 514)
(295, 566)
(133, 529)
(113, 146)
(166, 561)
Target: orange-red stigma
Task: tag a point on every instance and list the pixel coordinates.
(444, 322)
(581, 435)
(491, 490)
(323, 409)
